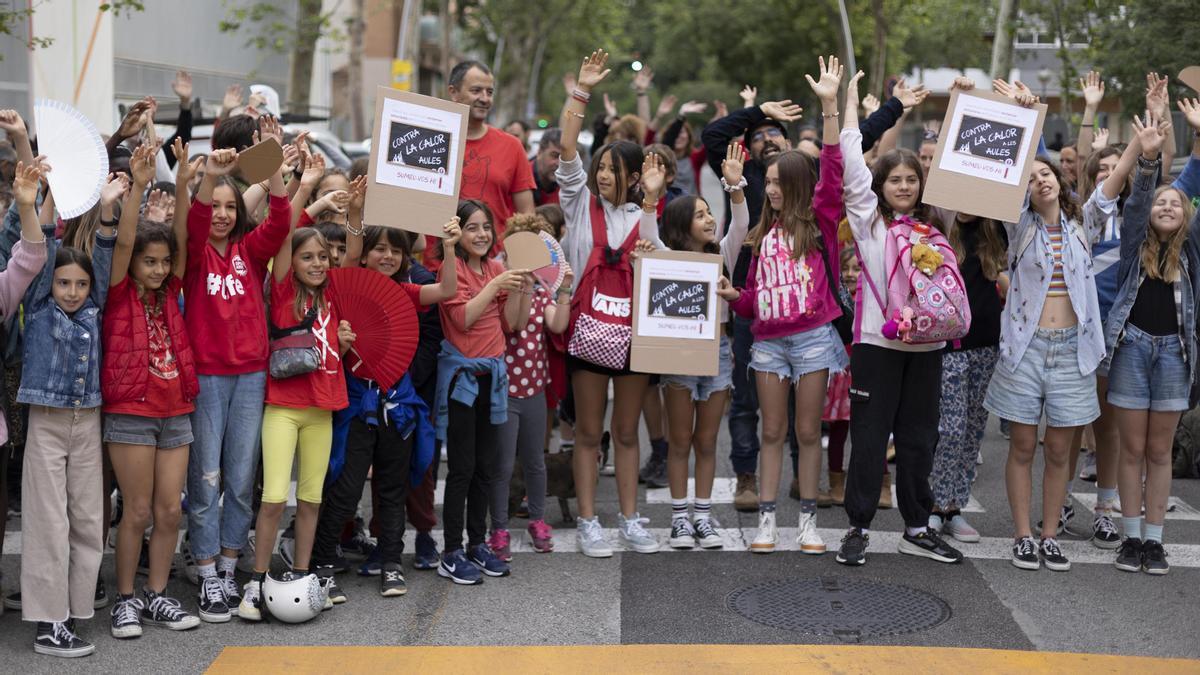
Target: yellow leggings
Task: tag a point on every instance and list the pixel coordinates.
(282, 427)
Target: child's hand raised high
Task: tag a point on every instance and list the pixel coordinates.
(453, 235)
(141, 166)
(221, 162)
(114, 189)
(26, 182)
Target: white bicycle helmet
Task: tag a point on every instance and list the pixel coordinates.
(294, 600)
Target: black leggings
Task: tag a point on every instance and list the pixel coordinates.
(472, 458)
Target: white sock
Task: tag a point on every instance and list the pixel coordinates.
(226, 564)
(206, 571)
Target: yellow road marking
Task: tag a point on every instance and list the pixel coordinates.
(693, 659)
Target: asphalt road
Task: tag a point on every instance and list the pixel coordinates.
(683, 598)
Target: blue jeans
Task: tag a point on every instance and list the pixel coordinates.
(227, 425)
(743, 408)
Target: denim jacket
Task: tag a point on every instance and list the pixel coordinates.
(1134, 230)
(465, 389)
(61, 366)
(1031, 264)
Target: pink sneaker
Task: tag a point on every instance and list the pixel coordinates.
(498, 542)
(542, 536)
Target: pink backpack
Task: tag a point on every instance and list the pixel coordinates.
(927, 300)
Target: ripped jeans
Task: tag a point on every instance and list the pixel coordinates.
(226, 425)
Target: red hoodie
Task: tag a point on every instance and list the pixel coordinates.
(223, 294)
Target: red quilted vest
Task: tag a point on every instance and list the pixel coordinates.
(125, 374)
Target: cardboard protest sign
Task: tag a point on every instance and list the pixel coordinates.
(984, 155)
(676, 317)
(416, 161)
(261, 161)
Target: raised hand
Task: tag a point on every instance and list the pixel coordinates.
(159, 206)
(962, 83)
(268, 127)
(182, 86)
(1190, 108)
(26, 181)
(643, 79)
(453, 233)
(693, 108)
(667, 105)
(336, 201)
(1158, 100)
(870, 104)
(610, 108)
(12, 124)
(1151, 134)
(291, 158)
(141, 165)
(132, 122)
(654, 178)
(826, 88)
(732, 165)
(569, 83)
(220, 162)
(782, 111)
(314, 171)
(1101, 139)
(749, 95)
(232, 98)
(1093, 89)
(593, 72)
(909, 96)
(852, 92)
(358, 193)
(719, 110)
(114, 189)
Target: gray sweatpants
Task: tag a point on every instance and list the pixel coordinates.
(523, 433)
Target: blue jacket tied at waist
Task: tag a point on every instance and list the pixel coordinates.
(451, 362)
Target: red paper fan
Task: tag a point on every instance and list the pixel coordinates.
(383, 319)
(553, 275)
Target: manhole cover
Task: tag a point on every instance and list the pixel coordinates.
(848, 609)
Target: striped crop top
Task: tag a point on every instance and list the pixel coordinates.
(1058, 284)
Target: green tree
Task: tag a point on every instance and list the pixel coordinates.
(1133, 38)
(12, 15)
(291, 28)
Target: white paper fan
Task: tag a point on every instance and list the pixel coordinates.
(76, 154)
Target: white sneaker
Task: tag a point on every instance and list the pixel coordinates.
(632, 534)
(935, 523)
(249, 608)
(767, 537)
(591, 538)
(810, 542)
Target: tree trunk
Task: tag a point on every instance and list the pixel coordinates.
(1002, 46)
(308, 31)
(354, 71)
(879, 63)
(444, 20)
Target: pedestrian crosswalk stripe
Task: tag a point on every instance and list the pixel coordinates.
(724, 489)
(1177, 509)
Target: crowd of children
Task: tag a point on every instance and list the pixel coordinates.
(153, 356)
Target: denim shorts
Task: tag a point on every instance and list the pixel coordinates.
(793, 356)
(704, 386)
(1148, 372)
(1047, 379)
(161, 432)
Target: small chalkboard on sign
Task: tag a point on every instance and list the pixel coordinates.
(678, 299)
(418, 147)
(989, 139)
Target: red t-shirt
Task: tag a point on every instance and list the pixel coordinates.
(526, 355)
(164, 389)
(485, 338)
(494, 169)
(325, 387)
(224, 309)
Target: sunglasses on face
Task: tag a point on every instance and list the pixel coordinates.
(765, 134)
